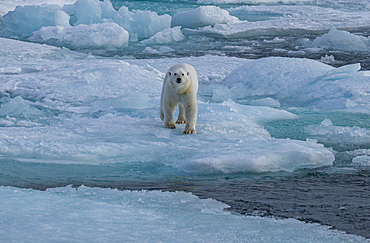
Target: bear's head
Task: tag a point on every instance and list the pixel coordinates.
(179, 77)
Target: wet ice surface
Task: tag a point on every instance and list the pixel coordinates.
(277, 136)
(108, 215)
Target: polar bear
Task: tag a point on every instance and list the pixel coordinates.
(180, 87)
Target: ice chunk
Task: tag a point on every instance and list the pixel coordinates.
(363, 160)
(266, 102)
(19, 108)
(87, 12)
(327, 122)
(274, 155)
(161, 50)
(301, 82)
(341, 40)
(327, 59)
(62, 18)
(343, 135)
(350, 103)
(27, 19)
(202, 16)
(94, 36)
(166, 36)
(144, 23)
(275, 77)
(108, 12)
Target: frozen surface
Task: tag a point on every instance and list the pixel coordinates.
(93, 36)
(329, 133)
(106, 215)
(286, 19)
(144, 24)
(301, 82)
(24, 20)
(6, 5)
(342, 40)
(203, 16)
(81, 109)
(167, 36)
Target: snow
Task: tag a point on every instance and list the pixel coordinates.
(85, 214)
(202, 16)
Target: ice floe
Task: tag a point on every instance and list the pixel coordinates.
(67, 214)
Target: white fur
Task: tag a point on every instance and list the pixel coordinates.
(183, 94)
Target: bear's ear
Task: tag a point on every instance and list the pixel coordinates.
(169, 73)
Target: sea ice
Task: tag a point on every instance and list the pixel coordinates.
(26, 19)
(93, 36)
(85, 214)
(143, 23)
(341, 40)
(280, 20)
(363, 160)
(97, 110)
(346, 136)
(166, 36)
(301, 82)
(61, 18)
(202, 16)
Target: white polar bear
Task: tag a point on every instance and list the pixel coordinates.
(180, 87)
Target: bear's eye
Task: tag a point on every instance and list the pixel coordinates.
(182, 74)
(175, 74)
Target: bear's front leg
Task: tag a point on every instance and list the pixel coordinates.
(191, 112)
(169, 111)
(181, 118)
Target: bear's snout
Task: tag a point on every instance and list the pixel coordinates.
(178, 80)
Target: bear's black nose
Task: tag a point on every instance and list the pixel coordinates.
(178, 80)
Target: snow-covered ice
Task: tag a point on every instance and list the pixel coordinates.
(301, 82)
(93, 36)
(98, 110)
(342, 40)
